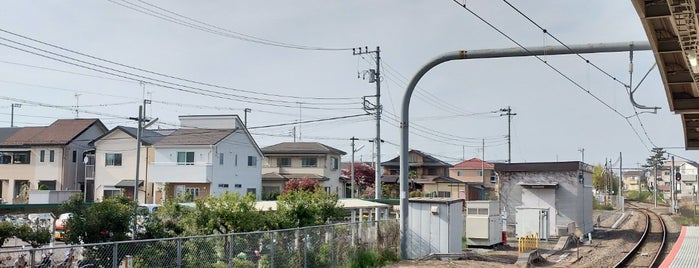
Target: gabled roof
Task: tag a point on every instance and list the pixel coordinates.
(148, 137)
(300, 148)
(195, 137)
(60, 132)
(7, 132)
(427, 161)
(474, 163)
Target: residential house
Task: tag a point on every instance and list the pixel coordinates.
(428, 175)
(478, 173)
(114, 164)
(632, 179)
(295, 160)
(688, 180)
(209, 155)
(560, 193)
(46, 157)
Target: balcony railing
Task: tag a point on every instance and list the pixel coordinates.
(172, 172)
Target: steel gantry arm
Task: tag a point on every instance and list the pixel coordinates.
(480, 54)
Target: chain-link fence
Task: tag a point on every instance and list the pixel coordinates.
(331, 245)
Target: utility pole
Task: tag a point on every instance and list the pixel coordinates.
(582, 154)
(508, 112)
(483, 161)
(352, 168)
(12, 114)
(672, 184)
(375, 77)
(246, 111)
(621, 196)
(77, 105)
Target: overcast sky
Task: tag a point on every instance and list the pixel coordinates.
(223, 49)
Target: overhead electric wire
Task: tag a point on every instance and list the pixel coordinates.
(192, 90)
(551, 67)
(64, 71)
(564, 45)
(309, 121)
(217, 30)
(166, 75)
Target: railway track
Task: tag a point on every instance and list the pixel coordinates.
(647, 251)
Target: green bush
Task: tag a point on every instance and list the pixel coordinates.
(36, 237)
(239, 263)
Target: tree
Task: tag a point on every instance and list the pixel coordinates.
(363, 175)
(35, 236)
(305, 183)
(106, 221)
(655, 161)
(303, 207)
(7, 230)
(228, 213)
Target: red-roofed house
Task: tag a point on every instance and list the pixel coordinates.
(47, 157)
(476, 172)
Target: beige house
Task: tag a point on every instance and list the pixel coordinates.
(46, 157)
(478, 174)
(428, 175)
(115, 164)
(295, 160)
(632, 178)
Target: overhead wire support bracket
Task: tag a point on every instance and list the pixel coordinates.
(632, 91)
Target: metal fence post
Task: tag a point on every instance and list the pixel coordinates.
(115, 255)
(230, 250)
(273, 247)
(31, 258)
(179, 252)
(332, 248)
(305, 247)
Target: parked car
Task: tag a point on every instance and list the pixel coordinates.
(60, 225)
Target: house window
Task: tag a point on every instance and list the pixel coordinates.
(223, 185)
(220, 159)
(443, 194)
(52, 153)
(110, 193)
(393, 172)
(185, 158)
(42, 155)
(493, 178)
(111, 159)
(252, 161)
(413, 159)
(21, 157)
(459, 173)
(334, 163)
(252, 191)
(75, 156)
(283, 162)
(191, 193)
(431, 171)
(309, 162)
(327, 189)
(480, 173)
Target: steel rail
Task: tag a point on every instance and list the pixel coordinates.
(632, 253)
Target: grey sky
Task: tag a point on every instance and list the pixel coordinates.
(554, 117)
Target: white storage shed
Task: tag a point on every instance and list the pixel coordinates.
(435, 225)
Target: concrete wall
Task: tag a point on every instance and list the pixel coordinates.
(573, 202)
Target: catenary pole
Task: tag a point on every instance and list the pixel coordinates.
(477, 54)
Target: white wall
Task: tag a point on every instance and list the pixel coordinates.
(117, 142)
(74, 172)
(47, 170)
(236, 145)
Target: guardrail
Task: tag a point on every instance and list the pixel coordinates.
(528, 242)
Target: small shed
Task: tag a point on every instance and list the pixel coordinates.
(435, 226)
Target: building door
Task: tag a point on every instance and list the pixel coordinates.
(542, 198)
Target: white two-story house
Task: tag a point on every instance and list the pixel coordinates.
(208, 155)
(45, 157)
(295, 160)
(115, 164)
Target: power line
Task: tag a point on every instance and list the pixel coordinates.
(162, 74)
(206, 27)
(564, 45)
(309, 121)
(176, 86)
(551, 67)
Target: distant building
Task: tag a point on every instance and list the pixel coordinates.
(430, 176)
(632, 179)
(46, 157)
(478, 173)
(296, 160)
(208, 155)
(562, 189)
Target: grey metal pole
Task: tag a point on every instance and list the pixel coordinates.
(478, 54)
(672, 184)
(377, 178)
(352, 169)
(138, 164)
(621, 195)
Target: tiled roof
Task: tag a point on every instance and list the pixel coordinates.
(301, 148)
(148, 137)
(195, 137)
(60, 132)
(7, 132)
(474, 163)
(540, 166)
(427, 161)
